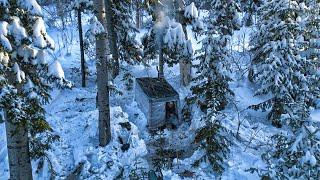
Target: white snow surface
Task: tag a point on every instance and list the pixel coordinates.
(74, 117)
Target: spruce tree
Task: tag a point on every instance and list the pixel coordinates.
(249, 7)
(168, 36)
(129, 48)
(312, 26)
(280, 67)
(289, 74)
(25, 79)
(294, 155)
(121, 29)
(211, 90)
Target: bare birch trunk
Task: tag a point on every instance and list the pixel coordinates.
(110, 26)
(18, 151)
(18, 146)
(102, 55)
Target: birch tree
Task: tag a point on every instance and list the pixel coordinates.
(102, 57)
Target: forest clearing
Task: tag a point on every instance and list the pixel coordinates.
(159, 89)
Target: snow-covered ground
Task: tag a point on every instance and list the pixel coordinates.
(74, 117)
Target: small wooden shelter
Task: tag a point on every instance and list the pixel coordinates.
(153, 96)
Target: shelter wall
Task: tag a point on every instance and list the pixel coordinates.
(157, 114)
(142, 101)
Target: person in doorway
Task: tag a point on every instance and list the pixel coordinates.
(171, 114)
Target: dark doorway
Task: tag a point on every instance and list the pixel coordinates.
(171, 111)
(171, 114)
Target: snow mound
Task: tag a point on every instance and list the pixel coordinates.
(78, 143)
(108, 162)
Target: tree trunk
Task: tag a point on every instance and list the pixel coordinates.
(18, 151)
(138, 15)
(83, 66)
(102, 55)
(110, 26)
(185, 66)
(185, 72)
(159, 28)
(161, 62)
(17, 143)
(60, 11)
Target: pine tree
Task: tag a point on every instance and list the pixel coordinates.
(110, 23)
(130, 50)
(280, 67)
(25, 81)
(211, 90)
(139, 13)
(185, 15)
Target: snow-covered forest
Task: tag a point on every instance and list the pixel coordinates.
(159, 89)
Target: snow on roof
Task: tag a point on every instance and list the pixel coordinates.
(156, 87)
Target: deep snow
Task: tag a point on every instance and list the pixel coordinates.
(73, 116)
